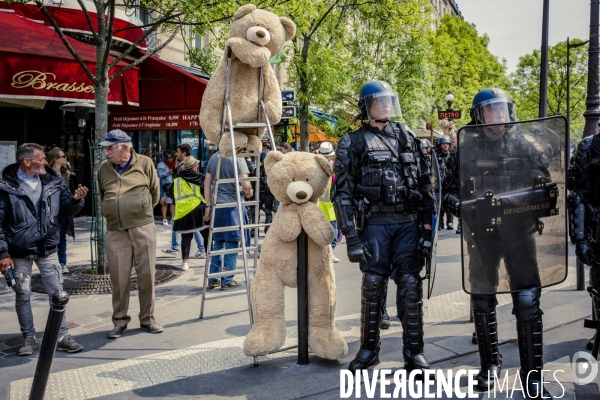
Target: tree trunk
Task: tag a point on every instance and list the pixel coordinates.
(304, 100)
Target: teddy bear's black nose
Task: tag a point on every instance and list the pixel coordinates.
(260, 34)
(301, 195)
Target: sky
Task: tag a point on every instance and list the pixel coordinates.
(515, 26)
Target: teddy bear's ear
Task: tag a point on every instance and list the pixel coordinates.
(325, 165)
(243, 10)
(272, 157)
(289, 26)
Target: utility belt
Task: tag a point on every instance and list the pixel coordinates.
(373, 208)
(379, 214)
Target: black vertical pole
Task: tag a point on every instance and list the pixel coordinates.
(543, 111)
(303, 298)
(42, 371)
(592, 101)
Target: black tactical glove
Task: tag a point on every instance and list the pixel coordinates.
(357, 252)
(424, 244)
(585, 254)
(451, 205)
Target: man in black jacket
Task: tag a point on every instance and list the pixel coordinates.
(32, 195)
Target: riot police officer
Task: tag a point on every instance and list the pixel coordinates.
(426, 150)
(497, 160)
(446, 156)
(266, 198)
(383, 177)
(584, 207)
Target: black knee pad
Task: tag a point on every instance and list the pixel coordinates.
(410, 287)
(483, 303)
(526, 305)
(373, 286)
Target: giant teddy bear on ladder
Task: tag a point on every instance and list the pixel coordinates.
(255, 36)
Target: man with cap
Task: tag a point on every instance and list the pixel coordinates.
(129, 190)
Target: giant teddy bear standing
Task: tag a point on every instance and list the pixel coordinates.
(297, 180)
(255, 36)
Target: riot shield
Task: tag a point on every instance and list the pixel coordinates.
(513, 208)
(436, 187)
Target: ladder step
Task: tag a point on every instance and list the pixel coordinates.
(232, 180)
(228, 273)
(230, 251)
(237, 227)
(217, 293)
(234, 204)
(249, 125)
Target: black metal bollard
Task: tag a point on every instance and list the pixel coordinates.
(42, 371)
(303, 298)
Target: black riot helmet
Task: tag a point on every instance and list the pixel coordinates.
(491, 106)
(379, 102)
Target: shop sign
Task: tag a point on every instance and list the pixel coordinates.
(155, 120)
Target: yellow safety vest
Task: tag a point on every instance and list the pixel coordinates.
(187, 197)
(325, 203)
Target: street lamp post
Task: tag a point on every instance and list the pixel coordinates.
(580, 265)
(543, 110)
(449, 99)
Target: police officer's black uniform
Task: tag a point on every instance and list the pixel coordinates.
(447, 163)
(266, 198)
(502, 165)
(382, 177)
(583, 180)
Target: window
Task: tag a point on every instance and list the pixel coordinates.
(198, 41)
(142, 13)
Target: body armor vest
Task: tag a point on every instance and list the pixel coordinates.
(390, 172)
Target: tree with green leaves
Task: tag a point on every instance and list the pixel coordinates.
(526, 84)
(462, 64)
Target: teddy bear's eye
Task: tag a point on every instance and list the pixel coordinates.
(306, 179)
(293, 179)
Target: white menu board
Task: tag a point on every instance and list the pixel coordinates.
(8, 154)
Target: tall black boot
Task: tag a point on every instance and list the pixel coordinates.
(526, 308)
(486, 329)
(372, 300)
(595, 282)
(385, 318)
(449, 222)
(409, 300)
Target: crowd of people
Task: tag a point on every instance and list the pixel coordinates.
(381, 199)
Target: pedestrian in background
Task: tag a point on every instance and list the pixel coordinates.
(326, 150)
(165, 170)
(183, 151)
(189, 206)
(32, 196)
(128, 188)
(57, 160)
(227, 216)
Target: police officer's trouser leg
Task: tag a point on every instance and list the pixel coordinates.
(371, 303)
(486, 329)
(526, 308)
(385, 318)
(595, 283)
(268, 211)
(409, 300)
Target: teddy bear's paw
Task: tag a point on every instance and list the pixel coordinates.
(260, 342)
(240, 144)
(327, 343)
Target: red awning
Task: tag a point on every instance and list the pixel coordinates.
(34, 64)
(73, 20)
(169, 99)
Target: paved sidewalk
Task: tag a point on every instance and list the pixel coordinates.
(203, 358)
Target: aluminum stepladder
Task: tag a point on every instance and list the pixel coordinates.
(227, 125)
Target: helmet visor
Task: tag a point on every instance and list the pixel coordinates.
(496, 111)
(383, 106)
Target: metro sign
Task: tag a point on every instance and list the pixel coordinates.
(288, 112)
(449, 114)
(288, 95)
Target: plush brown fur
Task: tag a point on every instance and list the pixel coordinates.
(247, 58)
(278, 261)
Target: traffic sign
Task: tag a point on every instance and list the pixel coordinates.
(449, 114)
(288, 95)
(288, 112)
